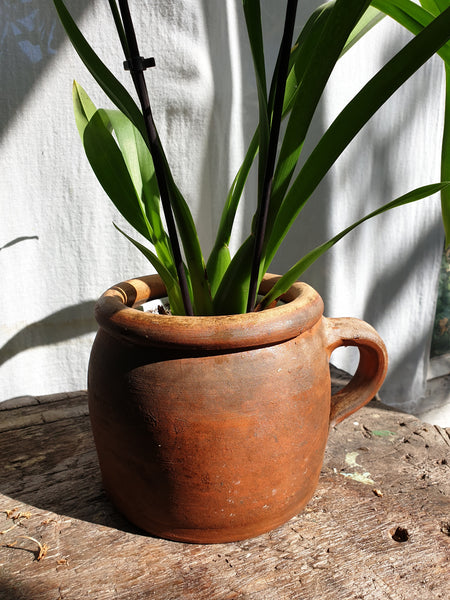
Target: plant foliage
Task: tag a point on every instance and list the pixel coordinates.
(122, 152)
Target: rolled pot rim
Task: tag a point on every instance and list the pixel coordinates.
(116, 313)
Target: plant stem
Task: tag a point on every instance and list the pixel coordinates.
(137, 72)
(285, 51)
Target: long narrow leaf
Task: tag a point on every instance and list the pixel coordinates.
(430, 6)
(445, 158)
(171, 283)
(139, 164)
(119, 26)
(252, 11)
(351, 120)
(122, 99)
(281, 71)
(194, 258)
(107, 81)
(284, 283)
(413, 17)
(301, 55)
(137, 69)
(335, 20)
(338, 26)
(370, 18)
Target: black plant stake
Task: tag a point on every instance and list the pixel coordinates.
(136, 64)
(285, 51)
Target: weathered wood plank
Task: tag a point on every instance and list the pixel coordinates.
(385, 477)
(27, 411)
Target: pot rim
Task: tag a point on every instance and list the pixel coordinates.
(116, 314)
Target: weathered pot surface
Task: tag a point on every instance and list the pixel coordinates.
(213, 429)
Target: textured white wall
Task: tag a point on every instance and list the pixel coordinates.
(385, 273)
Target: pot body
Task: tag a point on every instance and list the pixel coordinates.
(216, 432)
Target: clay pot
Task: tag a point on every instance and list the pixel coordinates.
(213, 429)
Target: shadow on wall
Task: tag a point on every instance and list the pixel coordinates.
(70, 322)
(17, 240)
(30, 35)
(67, 323)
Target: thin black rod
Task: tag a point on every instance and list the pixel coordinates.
(285, 51)
(137, 66)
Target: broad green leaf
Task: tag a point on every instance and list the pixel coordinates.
(217, 261)
(292, 275)
(231, 296)
(140, 167)
(139, 164)
(216, 267)
(434, 6)
(351, 120)
(303, 52)
(220, 258)
(111, 170)
(171, 283)
(83, 108)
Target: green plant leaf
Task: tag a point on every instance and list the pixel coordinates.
(301, 56)
(445, 158)
(318, 48)
(111, 170)
(370, 18)
(106, 80)
(140, 167)
(303, 52)
(119, 26)
(83, 108)
(217, 265)
(202, 299)
(122, 99)
(413, 17)
(285, 282)
(351, 120)
(234, 195)
(332, 37)
(139, 164)
(171, 283)
(430, 6)
(232, 293)
(252, 11)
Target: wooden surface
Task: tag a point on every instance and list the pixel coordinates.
(377, 527)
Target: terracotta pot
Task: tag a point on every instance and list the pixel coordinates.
(213, 429)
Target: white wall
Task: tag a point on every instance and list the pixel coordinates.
(386, 272)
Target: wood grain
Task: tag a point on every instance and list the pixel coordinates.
(385, 476)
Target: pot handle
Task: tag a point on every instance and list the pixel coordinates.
(371, 371)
